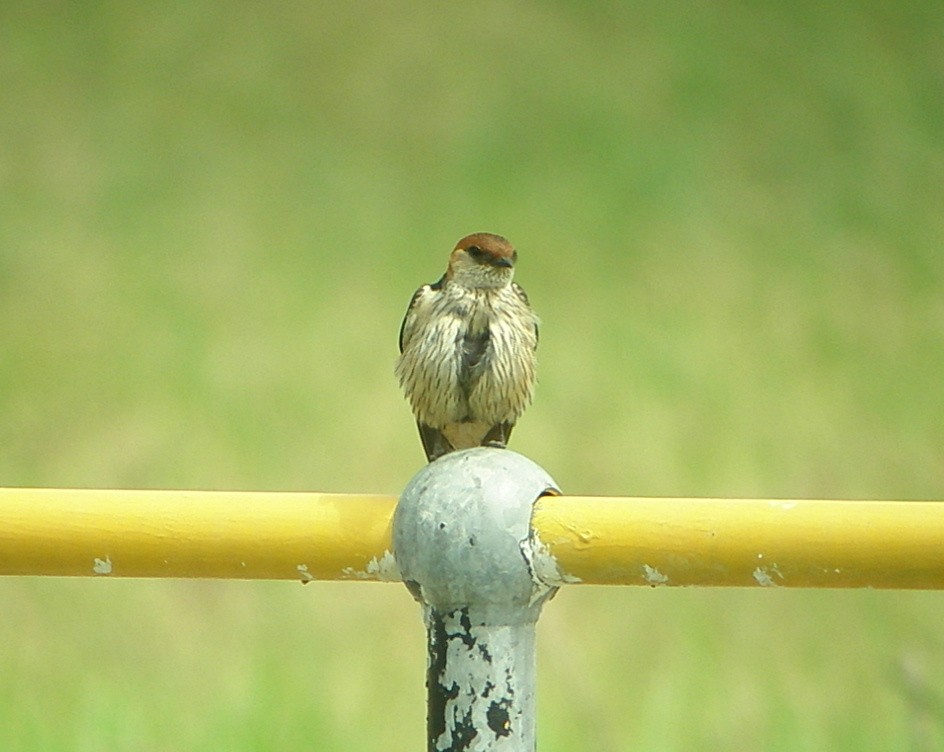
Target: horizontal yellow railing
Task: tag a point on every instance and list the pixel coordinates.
(594, 540)
(746, 542)
(241, 535)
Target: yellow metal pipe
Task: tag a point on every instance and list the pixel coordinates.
(745, 542)
(242, 535)
(594, 540)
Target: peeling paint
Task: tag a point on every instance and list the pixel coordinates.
(473, 675)
(102, 566)
(764, 578)
(584, 537)
(543, 564)
(654, 576)
(384, 569)
(305, 574)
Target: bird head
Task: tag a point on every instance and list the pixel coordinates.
(482, 260)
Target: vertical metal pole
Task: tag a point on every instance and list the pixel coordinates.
(462, 539)
(480, 683)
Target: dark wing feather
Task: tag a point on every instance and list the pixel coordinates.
(498, 435)
(519, 291)
(434, 443)
(437, 285)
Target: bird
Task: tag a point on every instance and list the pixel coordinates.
(467, 349)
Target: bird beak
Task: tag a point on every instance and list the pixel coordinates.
(506, 262)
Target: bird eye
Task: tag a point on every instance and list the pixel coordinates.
(475, 252)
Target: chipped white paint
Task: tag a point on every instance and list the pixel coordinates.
(102, 566)
(654, 576)
(765, 576)
(543, 564)
(306, 576)
(481, 699)
(385, 568)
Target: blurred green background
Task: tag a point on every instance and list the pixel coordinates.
(730, 217)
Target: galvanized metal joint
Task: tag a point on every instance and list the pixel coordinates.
(463, 542)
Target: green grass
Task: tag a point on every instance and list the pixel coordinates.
(729, 218)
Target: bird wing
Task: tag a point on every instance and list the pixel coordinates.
(435, 443)
(519, 291)
(409, 309)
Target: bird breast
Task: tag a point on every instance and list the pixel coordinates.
(468, 355)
